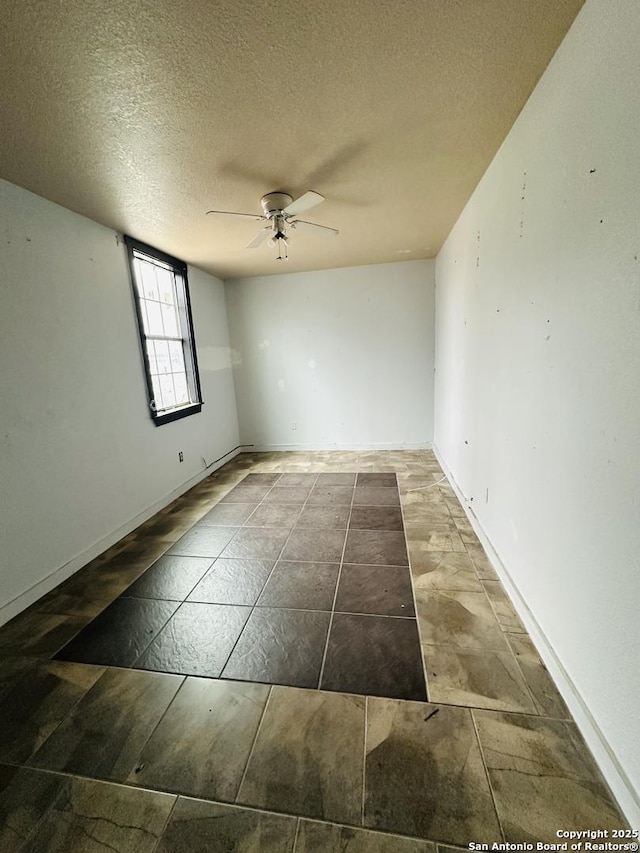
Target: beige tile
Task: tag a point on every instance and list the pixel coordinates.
(425, 513)
(317, 837)
(541, 780)
(202, 743)
(200, 826)
(308, 756)
(503, 608)
(39, 634)
(477, 679)
(466, 531)
(420, 490)
(424, 773)
(434, 537)
(25, 797)
(546, 697)
(71, 605)
(33, 704)
(455, 508)
(481, 562)
(462, 619)
(105, 732)
(91, 816)
(444, 570)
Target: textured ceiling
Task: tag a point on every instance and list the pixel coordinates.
(144, 114)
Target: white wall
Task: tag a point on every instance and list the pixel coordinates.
(81, 462)
(538, 373)
(345, 354)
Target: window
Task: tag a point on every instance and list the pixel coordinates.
(166, 332)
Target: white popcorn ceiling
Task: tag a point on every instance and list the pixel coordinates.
(144, 115)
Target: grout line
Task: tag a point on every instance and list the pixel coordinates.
(484, 764)
(260, 810)
(415, 601)
(155, 728)
(275, 562)
(166, 823)
(534, 704)
(295, 837)
(335, 594)
(253, 745)
(364, 757)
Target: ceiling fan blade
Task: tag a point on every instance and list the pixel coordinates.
(260, 237)
(232, 213)
(303, 203)
(312, 228)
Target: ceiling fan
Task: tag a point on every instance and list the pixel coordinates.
(279, 211)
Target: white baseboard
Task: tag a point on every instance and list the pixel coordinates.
(264, 448)
(42, 587)
(627, 797)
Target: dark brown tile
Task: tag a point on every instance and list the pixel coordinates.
(374, 655)
(376, 480)
(202, 743)
(260, 542)
(384, 590)
(319, 546)
(33, 704)
(302, 586)
(93, 816)
(376, 496)
(204, 542)
(170, 578)
(308, 756)
(228, 515)
(199, 826)
(104, 734)
(325, 517)
(119, 635)
(425, 775)
(197, 640)
(376, 547)
(280, 647)
(330, 495)
(336, 479)
(273, 515)
(376, 518)
(288, 495)
(233, 582)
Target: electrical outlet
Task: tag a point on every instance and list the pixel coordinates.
(294, 425)
(181, 456)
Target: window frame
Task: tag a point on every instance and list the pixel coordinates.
(185, 316)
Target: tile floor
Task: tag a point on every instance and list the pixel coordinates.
(122, 731)
(294, 579)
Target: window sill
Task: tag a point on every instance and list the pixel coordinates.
(176, 414)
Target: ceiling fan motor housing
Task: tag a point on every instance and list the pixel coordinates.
(273, 203)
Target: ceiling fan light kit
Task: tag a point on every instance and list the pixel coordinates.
(279, 210)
